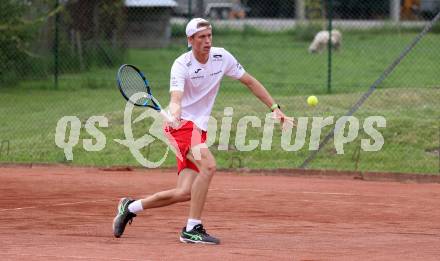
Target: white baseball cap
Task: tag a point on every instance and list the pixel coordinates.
(194, 27)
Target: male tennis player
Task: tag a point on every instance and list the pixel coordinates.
(195, 81)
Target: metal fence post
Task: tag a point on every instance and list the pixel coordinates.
(55, 48)
(189, 10)
(395, 11)
(330, 28)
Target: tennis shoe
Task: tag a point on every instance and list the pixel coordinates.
(123, 217)
(197, 235)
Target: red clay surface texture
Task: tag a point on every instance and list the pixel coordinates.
(64, 213)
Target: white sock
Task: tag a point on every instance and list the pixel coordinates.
(192, 223)
(135, 206)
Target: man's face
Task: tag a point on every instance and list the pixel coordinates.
(201, 41)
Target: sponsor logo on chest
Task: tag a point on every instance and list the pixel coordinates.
(198, 73)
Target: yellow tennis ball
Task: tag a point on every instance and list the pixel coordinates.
(312, 101)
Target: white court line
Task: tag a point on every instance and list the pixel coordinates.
(318, 193)
(293, 192)
(62, 257)
(232, 189)
(348, 202)
(55, 205)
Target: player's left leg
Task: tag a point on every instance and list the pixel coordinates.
(206, 163)
(194, 231)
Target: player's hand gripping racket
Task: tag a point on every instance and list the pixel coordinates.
(131, 82)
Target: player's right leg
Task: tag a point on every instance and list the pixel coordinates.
(128, 208)
(181, 193)
(123, 217)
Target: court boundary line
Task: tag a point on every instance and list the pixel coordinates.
(56, 205)
(68, 256)
(216, 190)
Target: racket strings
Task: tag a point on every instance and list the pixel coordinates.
(132, 83)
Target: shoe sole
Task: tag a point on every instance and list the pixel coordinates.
(114, 228)
(114, 220)
(189, 241)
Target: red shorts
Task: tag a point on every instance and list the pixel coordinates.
(183, 139)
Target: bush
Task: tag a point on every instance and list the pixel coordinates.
(436, 28)
(16, 60)
(27, 33)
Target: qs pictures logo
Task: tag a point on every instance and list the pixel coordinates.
(346, 130)
(67, 140)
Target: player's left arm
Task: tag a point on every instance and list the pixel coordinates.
(261, 93)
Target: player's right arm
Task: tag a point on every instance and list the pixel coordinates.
(176, 104)
(177, 84)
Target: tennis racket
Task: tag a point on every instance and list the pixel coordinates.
(134, 88)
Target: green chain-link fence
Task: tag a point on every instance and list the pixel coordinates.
(59, 58)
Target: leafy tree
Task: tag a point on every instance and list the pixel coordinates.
(15, 38)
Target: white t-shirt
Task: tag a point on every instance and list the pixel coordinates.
(200, 82)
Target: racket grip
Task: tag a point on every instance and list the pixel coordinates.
(167, 116)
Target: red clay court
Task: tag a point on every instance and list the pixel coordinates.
(65, 213)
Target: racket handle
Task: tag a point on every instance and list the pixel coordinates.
(167, 116)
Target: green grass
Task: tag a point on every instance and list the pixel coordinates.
(408, 100)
